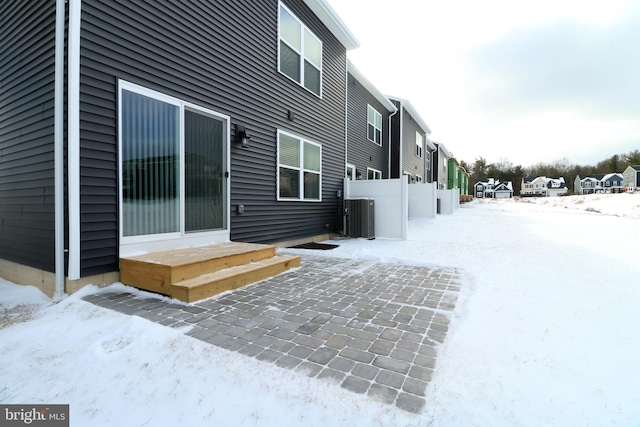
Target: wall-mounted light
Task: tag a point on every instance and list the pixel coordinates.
(241, 136)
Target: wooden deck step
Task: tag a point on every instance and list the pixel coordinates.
(157, 271)
(231, 278)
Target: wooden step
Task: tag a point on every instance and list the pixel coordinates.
(210, 284)
(157, 271)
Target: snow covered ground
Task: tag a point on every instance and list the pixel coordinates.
(546, 332)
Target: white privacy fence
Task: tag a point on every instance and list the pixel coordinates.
(394, 202)
(449, 201)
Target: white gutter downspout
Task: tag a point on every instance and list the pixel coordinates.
(390, 143)
(58, 144)
(73, 137)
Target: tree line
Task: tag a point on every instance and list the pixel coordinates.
(504, 170)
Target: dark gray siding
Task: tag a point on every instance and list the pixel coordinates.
(221, 55)
(410, 161)
(396, 141)
(27, 44)
(361, 151)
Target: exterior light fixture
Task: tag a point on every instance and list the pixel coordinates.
(241, 136)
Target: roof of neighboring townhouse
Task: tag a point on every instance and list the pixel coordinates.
(443, 148)
(370, 87)
(597, 176)
(414, 113)
(636, 167)
(330, 18)
(527, 179)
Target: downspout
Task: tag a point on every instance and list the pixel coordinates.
(58, 147)
(73, 137)
(389, 162)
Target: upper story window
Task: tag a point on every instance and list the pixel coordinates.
(374, 125)
(300, 52)
(419, 143)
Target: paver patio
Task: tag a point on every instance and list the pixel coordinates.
(374, 327)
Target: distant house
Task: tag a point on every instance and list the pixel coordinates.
(411, 149)
(556, 187)
(598, 183)
(612, 183)
(503, 190)
(631, 178)
(543, 186)
(368, 111)
(453, 175)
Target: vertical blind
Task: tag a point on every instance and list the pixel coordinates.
(150, 165)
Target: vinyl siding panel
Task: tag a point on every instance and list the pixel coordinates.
(223, 56)
(410, 161)
(361, 151)
(27, 42)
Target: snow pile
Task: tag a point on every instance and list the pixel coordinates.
(545, 333)
(622, 204)
(20, 303)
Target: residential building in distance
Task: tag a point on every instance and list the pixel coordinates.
(631, 178)
(543, 186)
(599, 183)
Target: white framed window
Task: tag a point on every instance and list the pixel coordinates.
(373, 174)
(299, 168)
(419, 144)
(427, 160)
(374, 125)
(350, 172)
(418, 178)
(299, 52)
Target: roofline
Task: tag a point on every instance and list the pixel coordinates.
(332, 21)
(443, 148)
(414, 113)
(353, 70)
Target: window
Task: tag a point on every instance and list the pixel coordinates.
(350, 172)
(418, 178)
(427, 161)
(418, 144)
(299, 169)
(374, 125)
(299, 52)
(373, 174)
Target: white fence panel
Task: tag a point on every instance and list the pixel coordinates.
(422, 200)
(391, 198)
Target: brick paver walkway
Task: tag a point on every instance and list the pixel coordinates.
(372, 326)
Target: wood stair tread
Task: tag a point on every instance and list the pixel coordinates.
(234, 271)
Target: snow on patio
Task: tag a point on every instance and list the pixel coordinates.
(545, 333)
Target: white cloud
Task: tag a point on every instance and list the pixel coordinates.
(490, 76)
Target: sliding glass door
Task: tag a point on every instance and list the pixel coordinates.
(173, 159)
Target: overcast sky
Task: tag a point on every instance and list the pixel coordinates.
(526, 81)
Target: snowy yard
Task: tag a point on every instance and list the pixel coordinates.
(546, 332)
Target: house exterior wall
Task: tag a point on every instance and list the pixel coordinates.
(361, 151)
(27, 37)
(452, 180)
(410, 161)
(442, 170)
(631, 177)
(197, 52)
